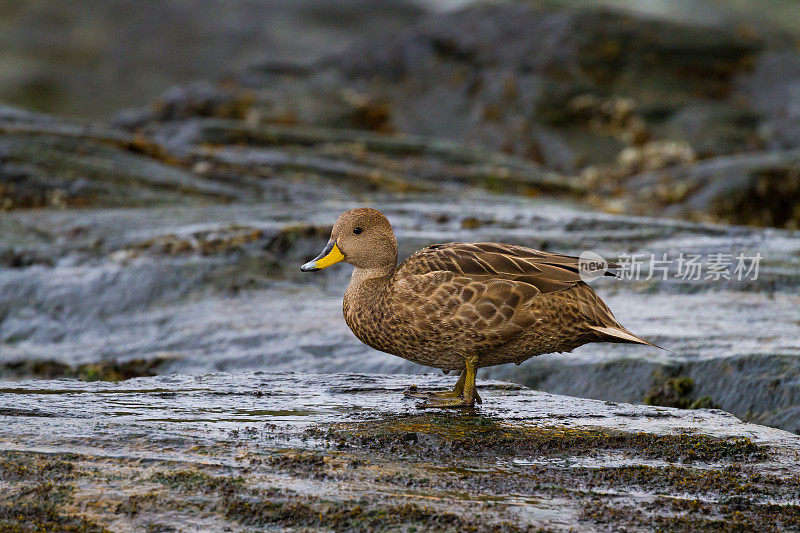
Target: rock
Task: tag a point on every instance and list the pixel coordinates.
(510, 74)
(773, 89)
(586, 101)
(759, 189)
(347, 451)
(572, 94)
(63, 164)
(52, 164)
(170, 242)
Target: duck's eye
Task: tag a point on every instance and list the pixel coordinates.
(357, 230)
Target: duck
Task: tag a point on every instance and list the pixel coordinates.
(462, 306)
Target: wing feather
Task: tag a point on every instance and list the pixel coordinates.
(485, 293)
(483, 290)
(548, 272)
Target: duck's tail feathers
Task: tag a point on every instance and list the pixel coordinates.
(620, 334)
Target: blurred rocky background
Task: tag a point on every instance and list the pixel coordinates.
(90, 58)
(165, 166)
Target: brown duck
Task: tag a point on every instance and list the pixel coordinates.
(462, 306)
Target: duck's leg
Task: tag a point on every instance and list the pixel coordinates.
(468, 396)
(455, 393)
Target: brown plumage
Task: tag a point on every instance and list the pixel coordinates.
(463, 306)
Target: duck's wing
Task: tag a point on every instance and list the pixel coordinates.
(489, 293)
(547, 272)
(485, 293)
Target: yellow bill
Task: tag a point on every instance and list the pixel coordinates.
(329, 256)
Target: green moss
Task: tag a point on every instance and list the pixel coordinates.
(683, 480)
(156, 527)
(20, 466)
(345, 516)
(484, 436)
(193, 481)
(111, 370)
(43, 517)
(136, 503)
(289, 236)
(426, 455)
(120, 370)
(675, 391)
(40, 508)
(257, 507)
(683, 515)
(298, 460)
(771, 199)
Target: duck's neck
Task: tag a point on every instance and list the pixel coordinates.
(366, 283)
(366, 289)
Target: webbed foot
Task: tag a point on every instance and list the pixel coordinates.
(412, 392)
(435, 402)
(463, 395)
(458, 390)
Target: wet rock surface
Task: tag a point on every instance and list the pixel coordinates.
(260, 450)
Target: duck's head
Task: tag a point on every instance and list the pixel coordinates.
(362, 237)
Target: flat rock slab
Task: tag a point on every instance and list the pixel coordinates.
(260, 450)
